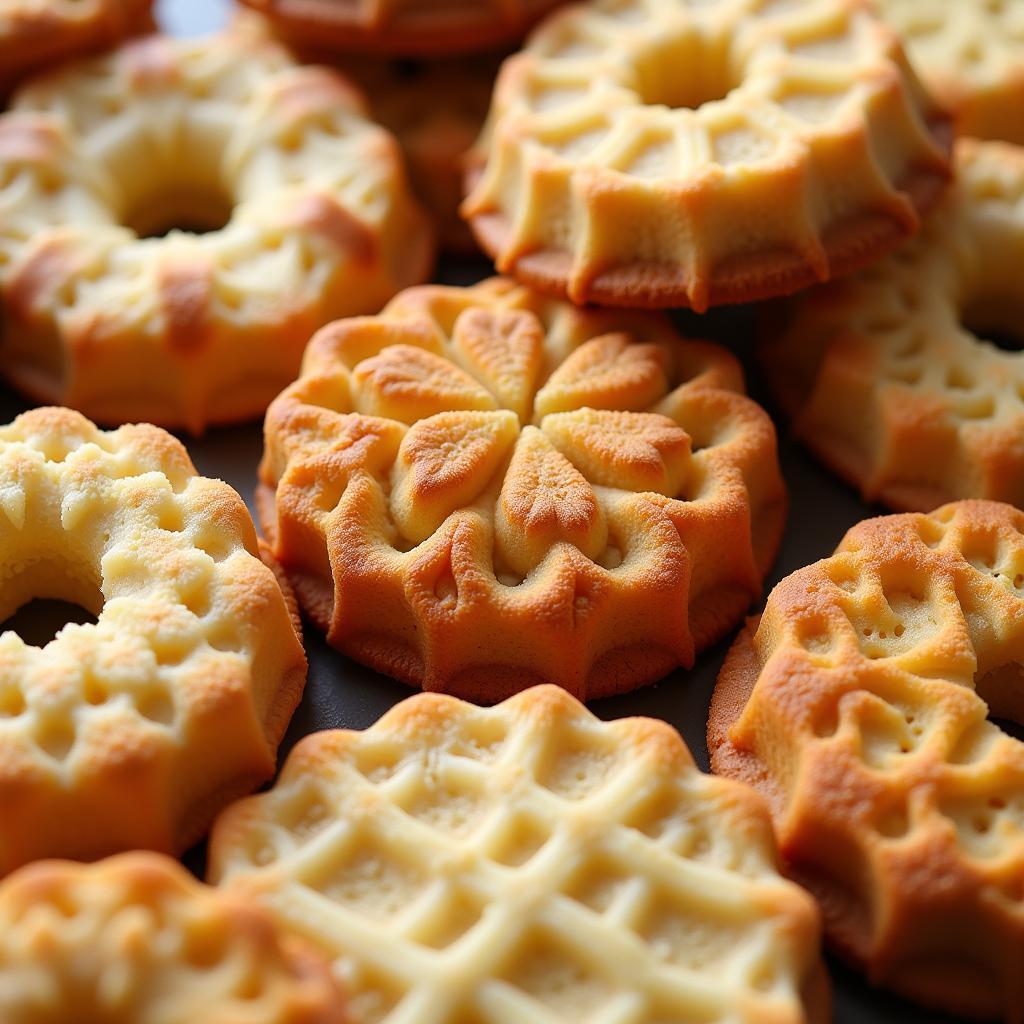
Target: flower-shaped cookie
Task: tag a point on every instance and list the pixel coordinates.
(483, 488)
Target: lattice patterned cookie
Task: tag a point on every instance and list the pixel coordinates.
(858, 706)
(662, 153)
(884, 374)
(406, 28)
(970, 55)
(482, 488)
(34, 33)
(135, 730)
(136, 940)
(527, 863)
(189, 329)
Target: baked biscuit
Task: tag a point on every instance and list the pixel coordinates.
(133, 731)
(483, 488)
(190, 329)
(859, 706)
(530, 863)
(888, 376)
(970, 55)
(662, 153)
(136, 940)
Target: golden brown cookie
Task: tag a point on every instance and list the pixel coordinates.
(483, 488)
(136, 940)
(133, 731)
(294, 210)
(888, 375)
(527, 863)
(660, 153)
(861, 707)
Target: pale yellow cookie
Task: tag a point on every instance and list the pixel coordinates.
(860, 706)
(136, 940)
(306, 202)
(527, 863)
(665, 153)
(888, 376)
(135, 730)
(483, 488)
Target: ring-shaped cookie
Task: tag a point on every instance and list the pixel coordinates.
(133, 731)
(189, 329)
(884, 374)
(859, 707)
(661, 153)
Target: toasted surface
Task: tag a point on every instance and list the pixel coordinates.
(888, 375)
(658, 153)
(970, 56)
(135, 730)
(136, 940)
(861, 707)
(527, 862)
(483, 488)
(304, 204)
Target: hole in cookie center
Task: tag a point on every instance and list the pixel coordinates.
(997, 320)
(685, 73)
(195, 210)
(38, 602)
(42, 618)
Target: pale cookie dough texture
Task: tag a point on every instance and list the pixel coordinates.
(889, 376)
(527, 863)
(663, 153)
(483, 488)
(136, 940)
(861, 707)
(295, 209)
(133, 731)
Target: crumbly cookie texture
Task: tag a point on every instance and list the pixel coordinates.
(136, 940)
(483, 488)
(191, 328)
(860, 707)
(527, 862)
(404, 28)
(132, 732)
(661, 153)
(970, 55)
(888, 376)
(38, 33)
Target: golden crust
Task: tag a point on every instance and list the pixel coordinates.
(402, 28)
(483, 488)
(804, 149)
(134, 731)
(474, 860)
(136, 938)
(883, 377)
(191, 329)
(858, 707)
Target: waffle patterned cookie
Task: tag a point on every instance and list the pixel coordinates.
(884, 374)
(136, 940)
(188, 328)
(482, 488)
(970, 55)
(34, 33)
(663, 153)
(404, 28)
(135, 730)
(859, 708)
(527, 863)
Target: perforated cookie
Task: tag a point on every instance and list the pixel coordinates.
(527, 863)
(136, 940)
(888, 375)
(861, 707)
(483, 488)
(135, 730)
(663, 153)
(304, 203)
(970, 55)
